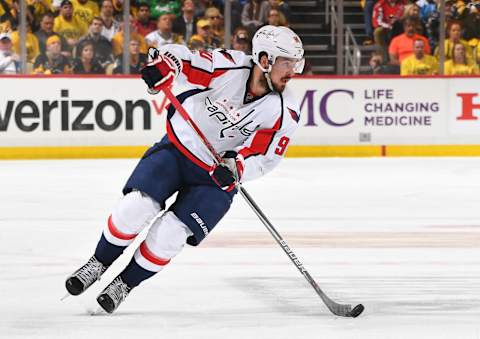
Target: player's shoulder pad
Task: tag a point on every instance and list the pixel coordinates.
(226, 58)
(290, 105)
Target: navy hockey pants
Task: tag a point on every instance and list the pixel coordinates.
(200, 203)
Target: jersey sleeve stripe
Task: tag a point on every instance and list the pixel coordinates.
(200, 76)
(261, 141)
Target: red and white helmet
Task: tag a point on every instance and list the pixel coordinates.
(277, 41)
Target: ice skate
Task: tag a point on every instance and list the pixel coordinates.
(85, 276)
(113, 295)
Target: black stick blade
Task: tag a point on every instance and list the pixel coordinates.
(357, 310)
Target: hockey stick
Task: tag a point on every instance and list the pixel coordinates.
(344, 310)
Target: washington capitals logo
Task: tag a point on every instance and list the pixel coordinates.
(293, 114)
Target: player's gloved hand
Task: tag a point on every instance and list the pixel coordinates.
(160, 72)
(227, 173)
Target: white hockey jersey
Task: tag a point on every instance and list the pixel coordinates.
(219, 102)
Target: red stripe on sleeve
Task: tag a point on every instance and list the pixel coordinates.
(199, 76)
(261, 141)
(147, 254)
(116, 233)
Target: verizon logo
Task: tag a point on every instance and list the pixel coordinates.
(68, 114)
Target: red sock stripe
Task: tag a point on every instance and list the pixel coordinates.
(116, 233)
(147, 254)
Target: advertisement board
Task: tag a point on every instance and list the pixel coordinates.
(116, 114)
(79, 112)
(372, 111)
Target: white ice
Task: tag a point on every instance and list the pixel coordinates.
(400, 235)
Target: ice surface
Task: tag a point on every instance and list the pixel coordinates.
(400, 235)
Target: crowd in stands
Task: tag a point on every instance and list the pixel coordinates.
(406, 36)
(86, 36)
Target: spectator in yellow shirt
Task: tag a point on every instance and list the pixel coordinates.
(85, 11)
(137, 60)
(459, 65)
(68, 26)
(419, 63)
(475, 45)
(31, 42)
(39, 8)
(9, 15)
(454, 29)
(117, 40)
(46, 30)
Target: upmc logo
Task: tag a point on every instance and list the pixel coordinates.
(309, 100)
(468, 106)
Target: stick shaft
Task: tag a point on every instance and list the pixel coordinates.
(179, 107)
(283, 244)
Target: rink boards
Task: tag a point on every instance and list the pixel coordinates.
(105, 117)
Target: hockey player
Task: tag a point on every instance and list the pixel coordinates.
(243, 107)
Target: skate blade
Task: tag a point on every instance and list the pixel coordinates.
(95, 311)
(65, 297)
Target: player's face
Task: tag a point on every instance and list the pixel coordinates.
(282, 71)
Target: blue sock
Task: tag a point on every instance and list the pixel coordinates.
(134, 274)
(107, 252)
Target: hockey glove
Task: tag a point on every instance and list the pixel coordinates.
(230, 171)
(160, 72)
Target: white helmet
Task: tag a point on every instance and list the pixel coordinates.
(277, 41)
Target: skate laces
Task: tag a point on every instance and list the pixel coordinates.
(117, 290)
(91, 271)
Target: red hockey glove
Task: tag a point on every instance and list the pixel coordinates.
(160, 72)
(223, 174)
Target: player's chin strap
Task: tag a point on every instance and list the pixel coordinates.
(266, 73)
